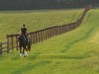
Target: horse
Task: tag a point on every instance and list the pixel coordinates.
(25, 44)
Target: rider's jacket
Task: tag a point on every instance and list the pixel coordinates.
(23, 31)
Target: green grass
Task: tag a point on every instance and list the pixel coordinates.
(75, 52)
(11, 22)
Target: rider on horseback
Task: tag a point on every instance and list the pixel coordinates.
(24, 33)
(24, 41)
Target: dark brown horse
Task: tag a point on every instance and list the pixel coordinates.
(25, 44)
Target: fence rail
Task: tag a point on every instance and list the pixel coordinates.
(41, 35)
(3, 46)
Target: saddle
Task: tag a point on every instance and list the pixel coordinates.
(25, 38)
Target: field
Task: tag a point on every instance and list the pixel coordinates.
(11, 22)
(75, 52)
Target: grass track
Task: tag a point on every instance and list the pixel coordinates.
(75, 52)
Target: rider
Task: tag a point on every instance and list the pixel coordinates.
(24, 32)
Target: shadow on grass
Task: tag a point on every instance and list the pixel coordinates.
(29, 57)
(62, 57)
(30, 67)
(87, 34)
(34, 56)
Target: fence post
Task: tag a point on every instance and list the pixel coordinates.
(12, 42)
(17, 42)
(0, 48)
(7, 44)
(38, 36)
(33, 38)
(44, 34)
(41, 36)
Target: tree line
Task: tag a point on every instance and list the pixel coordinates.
(44, 4)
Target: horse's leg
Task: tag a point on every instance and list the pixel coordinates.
(26, 53)
(29, 47)
(23, 50)
(20, 51)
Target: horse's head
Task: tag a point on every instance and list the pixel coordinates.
(21, 40)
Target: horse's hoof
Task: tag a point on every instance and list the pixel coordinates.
(24, 56)
(20, 54)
